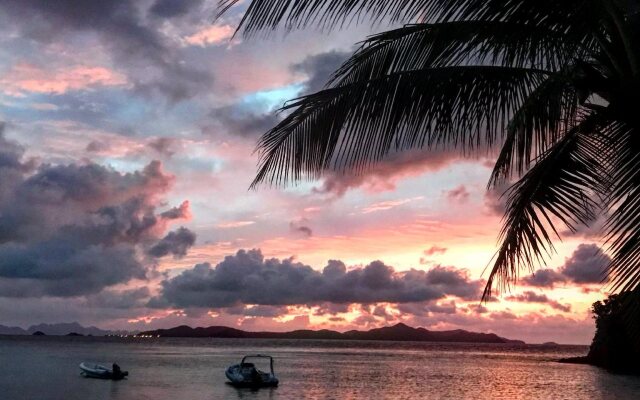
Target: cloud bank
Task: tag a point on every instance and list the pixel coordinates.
(69, 230)
(586, 265)
(248, 278)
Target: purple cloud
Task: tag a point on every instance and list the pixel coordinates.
(248, 278)
(69, 230)
(586, 265)
(176, 243)
(533, 297)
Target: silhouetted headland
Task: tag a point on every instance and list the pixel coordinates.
(398, 332)
(616, 344)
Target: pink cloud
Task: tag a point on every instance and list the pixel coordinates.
(530, 296)
(384, 175)
(26, 78)
(433, 250)
(211, 35)
(183, 211)
(459, 194)
(234, 224)
(387, 205)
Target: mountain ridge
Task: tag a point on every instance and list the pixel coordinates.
(57, 329)
(398, 332)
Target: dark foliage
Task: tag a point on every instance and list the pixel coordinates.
(614, 346)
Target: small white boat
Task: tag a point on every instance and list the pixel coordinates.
(102, 372)
(247, 374)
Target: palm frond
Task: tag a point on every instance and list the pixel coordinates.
(623, 226)
(560, 185)
(461, 43)
(353, 126)
(567, 15)
(467, 74)
(537, 125)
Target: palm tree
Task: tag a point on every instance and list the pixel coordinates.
(554, 85)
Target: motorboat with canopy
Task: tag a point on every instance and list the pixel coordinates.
(246, 374)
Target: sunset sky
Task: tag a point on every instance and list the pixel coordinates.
(126, 153)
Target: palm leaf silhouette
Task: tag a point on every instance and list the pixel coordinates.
(552, 84)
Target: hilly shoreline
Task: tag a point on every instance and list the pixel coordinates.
(58, 329)
(398, 332)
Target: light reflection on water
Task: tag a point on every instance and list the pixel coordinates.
(47, 368)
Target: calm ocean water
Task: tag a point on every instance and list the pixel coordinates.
(191, 369)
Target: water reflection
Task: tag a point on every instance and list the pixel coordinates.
(253, 393)
(194, 369)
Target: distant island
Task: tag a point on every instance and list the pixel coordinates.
(58, 329)
(398, 332)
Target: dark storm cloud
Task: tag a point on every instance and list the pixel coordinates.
(163, 145)
(173, 8)
(257, 311)
(176, 243)
(585, 266)
(90, 195)
(135, 44)
(427, 308)
(301, 227)
(248, 278)
(69, 230)
(119, 299)
(119, 21)
(331, 309)
(305, 230)
(383, 175)
(319, 68)
(11, 155)
(96, 146)
(60, 268)
(181, 212)
(239, 120)
(533, 297)
(12, 170)
(544, 278)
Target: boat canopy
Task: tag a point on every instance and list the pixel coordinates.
(258, 356)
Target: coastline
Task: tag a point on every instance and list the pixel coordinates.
(588, 360)
(577, 360)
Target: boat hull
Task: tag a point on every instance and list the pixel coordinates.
(100, 372)
(241, 378)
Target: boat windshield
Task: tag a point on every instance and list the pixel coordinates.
(260, 362)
